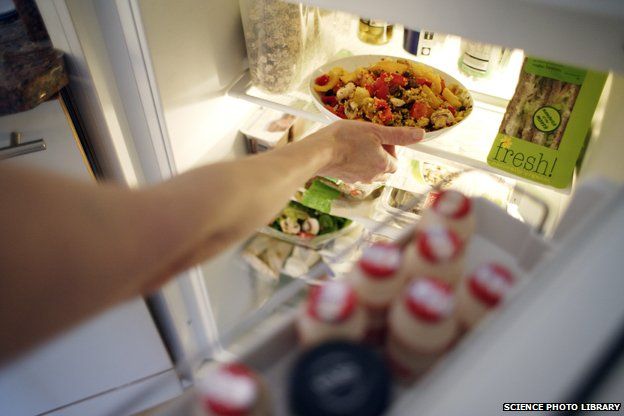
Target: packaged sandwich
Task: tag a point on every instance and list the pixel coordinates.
(546, 122)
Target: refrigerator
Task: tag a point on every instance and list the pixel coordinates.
(162, 87)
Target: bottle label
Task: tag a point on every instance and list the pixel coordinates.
(438, 244)
(229, 390)
(490, 283)
(430, 299)
(380, 260)
(452, 204)
(332, 302)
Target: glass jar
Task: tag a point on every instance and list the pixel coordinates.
(375, 32)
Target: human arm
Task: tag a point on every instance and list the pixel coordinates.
(71, 249)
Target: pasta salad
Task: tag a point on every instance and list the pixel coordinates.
(393, 92)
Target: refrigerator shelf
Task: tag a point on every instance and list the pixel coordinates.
(467, 144)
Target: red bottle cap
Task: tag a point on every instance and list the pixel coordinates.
(490, 283)
(438, 244)
(230, 390)
(332, 302)
(452, 204)
(380, 260)
(429, 299)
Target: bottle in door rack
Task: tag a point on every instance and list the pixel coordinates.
(375, 32)
(480, 60)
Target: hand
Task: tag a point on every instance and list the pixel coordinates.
(364, 151)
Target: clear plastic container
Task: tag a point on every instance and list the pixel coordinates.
(287, 41)
(276, 34)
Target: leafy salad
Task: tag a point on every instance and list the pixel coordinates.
(297, 219)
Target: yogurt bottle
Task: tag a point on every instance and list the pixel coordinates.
(483, 290)
(436, 251)
(331, 312)
(233, 389)
(377, 279)
(421, 326)
(453, 210)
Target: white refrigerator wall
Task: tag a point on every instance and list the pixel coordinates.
(197, 50)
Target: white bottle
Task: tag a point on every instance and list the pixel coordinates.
(233, 389)
(437, 252)
(483, 290)
(377, 279)
(331, 312)
(421, 325)
(453, 210)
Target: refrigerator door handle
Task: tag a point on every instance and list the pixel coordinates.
(17, 148)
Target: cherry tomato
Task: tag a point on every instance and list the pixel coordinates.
(423, 81)
(322, 80)
(337, 110)
(340, 111)
(397, 81)
(329, 100)
(420, 110)
(379, 88)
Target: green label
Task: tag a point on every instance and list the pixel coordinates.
(523, 158)
(555, 71)
(546, 119)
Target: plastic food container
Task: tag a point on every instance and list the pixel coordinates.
(314, 242)
(277, 34)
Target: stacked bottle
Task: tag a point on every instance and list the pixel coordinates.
(453, 210)
(331, 312)
(421, 326)
(482, 291)
(436, 251)
(233, 389)
(377, 279)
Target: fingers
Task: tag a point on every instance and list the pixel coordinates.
(401, 136)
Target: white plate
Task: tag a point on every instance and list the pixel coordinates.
(351, 63)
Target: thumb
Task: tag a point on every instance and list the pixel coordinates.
(400, 135)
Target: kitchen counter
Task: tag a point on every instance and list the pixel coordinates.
(31, 72)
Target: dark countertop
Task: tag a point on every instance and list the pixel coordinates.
(31, 72)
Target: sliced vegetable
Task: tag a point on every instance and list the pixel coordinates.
(332, 80)
(379, 88)
(451, 98)
(420, 109)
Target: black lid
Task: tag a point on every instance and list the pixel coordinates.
(339, 379)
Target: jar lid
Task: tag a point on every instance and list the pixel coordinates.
(380, 260)
(490, 283)
(438, 244)
(230, 390)
(339, 379)
(332, 302)
(429, 299)
(452, 204)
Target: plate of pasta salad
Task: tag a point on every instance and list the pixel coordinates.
(390, 91)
